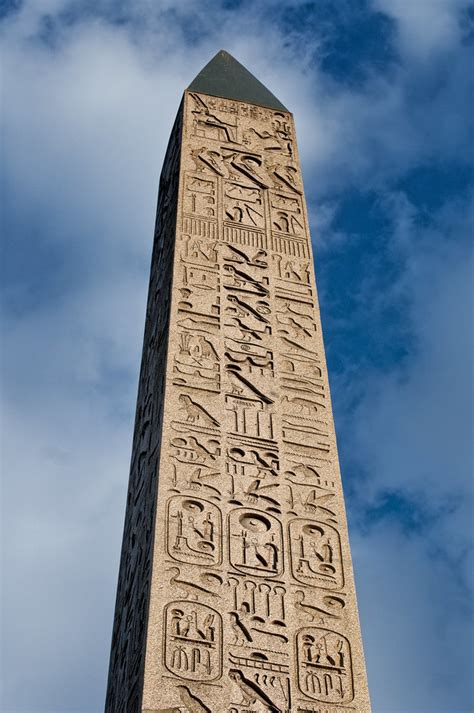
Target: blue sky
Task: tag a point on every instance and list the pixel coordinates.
(382, 94)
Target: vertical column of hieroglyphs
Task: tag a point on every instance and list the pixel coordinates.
(129, 630)
(184, 660)
(252, 600)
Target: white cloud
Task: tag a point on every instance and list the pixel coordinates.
(411, 435)
(418, 650)
(415, 424)
(425, 27)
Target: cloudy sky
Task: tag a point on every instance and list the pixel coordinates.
(381, 93)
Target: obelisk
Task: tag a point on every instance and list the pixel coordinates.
(236, 589)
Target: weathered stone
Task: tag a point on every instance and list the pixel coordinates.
(236, 590)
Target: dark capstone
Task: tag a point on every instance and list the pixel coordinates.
(224, 77)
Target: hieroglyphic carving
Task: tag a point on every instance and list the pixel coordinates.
(244, 236)
(250, 359)
(198, 251)
(252, 605)
(323, 608)
(255, 543)
(286, 213)
(292, 246)
(250, 415)
(259, 689)
(244, 205)
(200, 196)
(207, 583)
(197, 363)
(305, 438)
(199, 291)
(200, 205)
(190, 700)
(315, 552)
(202, 451)
(194, 530)
(324, 665)
(192, 644)
(258, 617)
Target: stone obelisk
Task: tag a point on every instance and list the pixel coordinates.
(235, 590)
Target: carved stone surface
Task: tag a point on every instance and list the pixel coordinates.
(236, 590)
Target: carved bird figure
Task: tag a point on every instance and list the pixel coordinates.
(199, 449)
(207, 349)
(194, 412)
(193, 703)
(241, 633)
(298, 329)
(246, 333)
(251, 693)
(306, 405)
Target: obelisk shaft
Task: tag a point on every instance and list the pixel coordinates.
(237, 556)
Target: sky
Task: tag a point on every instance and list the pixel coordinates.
(382, 93)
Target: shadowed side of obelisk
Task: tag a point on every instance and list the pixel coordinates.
(125, 681)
